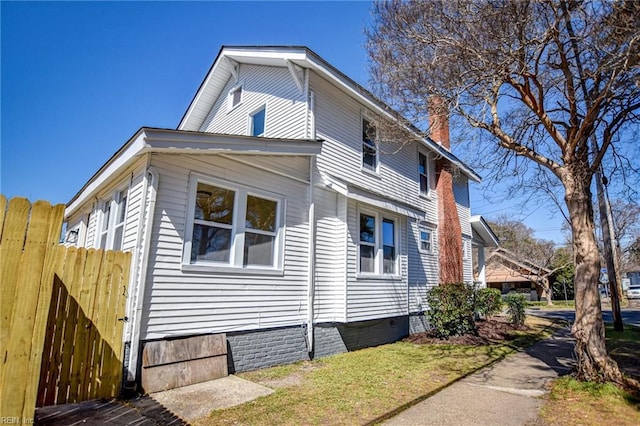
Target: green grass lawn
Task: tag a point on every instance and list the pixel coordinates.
(361, 386)
(573, 402)
(557, 304)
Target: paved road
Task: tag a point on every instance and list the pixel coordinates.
(629, 315)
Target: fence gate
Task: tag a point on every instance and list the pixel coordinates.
(62, 313)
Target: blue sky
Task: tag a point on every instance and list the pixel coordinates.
(79, 78)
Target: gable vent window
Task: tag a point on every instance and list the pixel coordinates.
(235, 97)
(369, 146)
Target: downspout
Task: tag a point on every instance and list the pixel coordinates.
(152, 175)
(133, 279)
(312, 255)
(312, 120)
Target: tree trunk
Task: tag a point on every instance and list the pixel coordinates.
(593, 361)
(546, 291)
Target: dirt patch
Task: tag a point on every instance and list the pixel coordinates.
(293, 379)
(493, 330)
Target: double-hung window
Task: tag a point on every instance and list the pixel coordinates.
(378, 245)
(257, 121)
(369, 146)
(212, 224)
(426, 238)
(105, 225)
(260, 231)
(423, 174)
(120, 218)
(113, 219)
(234, 227)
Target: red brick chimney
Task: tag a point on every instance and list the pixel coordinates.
(449, 230)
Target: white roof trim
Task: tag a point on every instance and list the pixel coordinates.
(482, 228)
(365, 196)
(148, 140)
(305, 58)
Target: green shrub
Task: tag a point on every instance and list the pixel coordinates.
(515, 308)
(488, 301)
(451, 309)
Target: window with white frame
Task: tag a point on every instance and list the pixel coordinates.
(234, 226)
(235, 97)
(423, 173)
(378, 245)
(257, 122)
(105, 225)
(120, 219)
(369, 146)
(112, 222)
(426, 239)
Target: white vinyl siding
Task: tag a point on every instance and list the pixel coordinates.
(134, 202)
(373, 297)
(261, 85)
(423, 267)
(92, 224)
(129, 183)
(181, 302)
(338, 120)
(461, 195)
(331, 246)
(467, 259)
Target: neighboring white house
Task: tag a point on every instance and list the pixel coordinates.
(274, 215)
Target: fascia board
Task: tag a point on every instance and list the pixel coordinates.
(121, 159)
(148, 140)
(358, 193)
(351, 87)
(159, 140)
(479, 225)
(201, 90)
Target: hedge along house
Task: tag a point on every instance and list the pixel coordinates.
(275, 217)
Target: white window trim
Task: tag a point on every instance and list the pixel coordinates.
(429, 171)
(238, 229)
(230, 105)
(466, 248)
(376, 171)
(422, 228)
(250, 120)
(114, 202)
(379, 249)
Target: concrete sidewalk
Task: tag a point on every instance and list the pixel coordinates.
(506, 393)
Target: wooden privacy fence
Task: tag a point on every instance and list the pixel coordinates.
(62, 313)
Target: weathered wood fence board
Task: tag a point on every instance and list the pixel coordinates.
(61, 331)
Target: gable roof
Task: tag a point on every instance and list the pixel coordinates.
(228, 57)
(503, 254)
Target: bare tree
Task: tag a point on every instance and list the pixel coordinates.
(519, 241)
(518, 238)
(626, 219)
(513, 70)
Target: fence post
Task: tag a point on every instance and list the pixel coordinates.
(28, 286)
